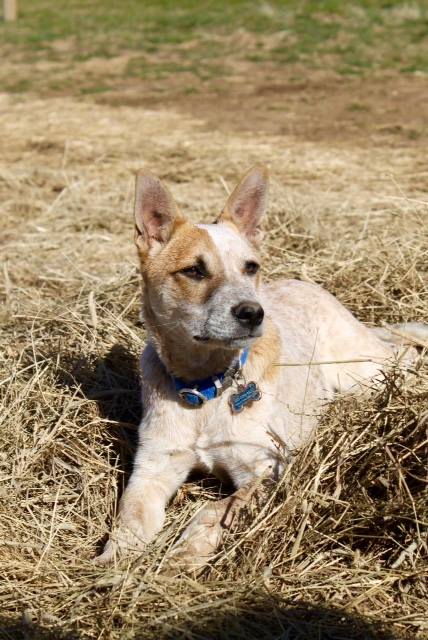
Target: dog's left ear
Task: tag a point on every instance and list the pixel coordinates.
(247, 203)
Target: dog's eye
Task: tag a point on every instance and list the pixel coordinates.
(197, 272)
(251, 267)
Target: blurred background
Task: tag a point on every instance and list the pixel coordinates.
(311, 68)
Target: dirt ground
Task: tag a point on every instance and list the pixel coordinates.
(383, 108)
(387, 110)
(348, 210)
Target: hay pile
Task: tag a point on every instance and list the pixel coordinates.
(339, 548)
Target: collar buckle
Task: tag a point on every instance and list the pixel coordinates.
(192, 397)
(219, 386)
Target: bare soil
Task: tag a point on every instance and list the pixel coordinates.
(390, 109)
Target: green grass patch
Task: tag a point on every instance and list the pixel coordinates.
(198, 36)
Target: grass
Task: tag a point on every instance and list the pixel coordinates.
(347, 38)
(69, 401)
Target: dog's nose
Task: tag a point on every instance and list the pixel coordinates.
(249, 314)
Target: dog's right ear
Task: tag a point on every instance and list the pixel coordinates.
(155, 212)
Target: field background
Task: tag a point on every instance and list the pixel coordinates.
(332, 96)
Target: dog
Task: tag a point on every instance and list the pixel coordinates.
(215, 397)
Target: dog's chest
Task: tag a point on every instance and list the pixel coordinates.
(241, 444)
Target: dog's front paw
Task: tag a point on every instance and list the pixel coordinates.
(123, 541)
(200, 539)
(206, 530)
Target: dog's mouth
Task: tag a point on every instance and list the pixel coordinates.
(235, 340)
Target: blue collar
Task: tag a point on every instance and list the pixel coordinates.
(197, 392)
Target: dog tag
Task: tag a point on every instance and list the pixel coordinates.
(246, 395)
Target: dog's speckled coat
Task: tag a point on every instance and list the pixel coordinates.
(193, 334)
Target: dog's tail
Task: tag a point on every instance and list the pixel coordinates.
(413, 333)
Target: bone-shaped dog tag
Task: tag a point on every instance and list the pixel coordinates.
(246, 395)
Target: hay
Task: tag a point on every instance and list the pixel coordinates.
(339, 548)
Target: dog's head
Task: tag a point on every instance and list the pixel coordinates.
(201, 281)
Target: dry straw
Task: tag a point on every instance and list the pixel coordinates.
(338, 549)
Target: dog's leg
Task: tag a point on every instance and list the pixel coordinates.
(206, 529)
(155, 479)
(413, 333)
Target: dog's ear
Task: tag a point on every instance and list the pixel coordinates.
(155, 212)
(247, 203)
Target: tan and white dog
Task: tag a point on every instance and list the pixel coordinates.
(209, 318)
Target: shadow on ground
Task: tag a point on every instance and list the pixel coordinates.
(265, 619)
(113, 383)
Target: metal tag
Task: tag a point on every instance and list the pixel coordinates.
(246, 395)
